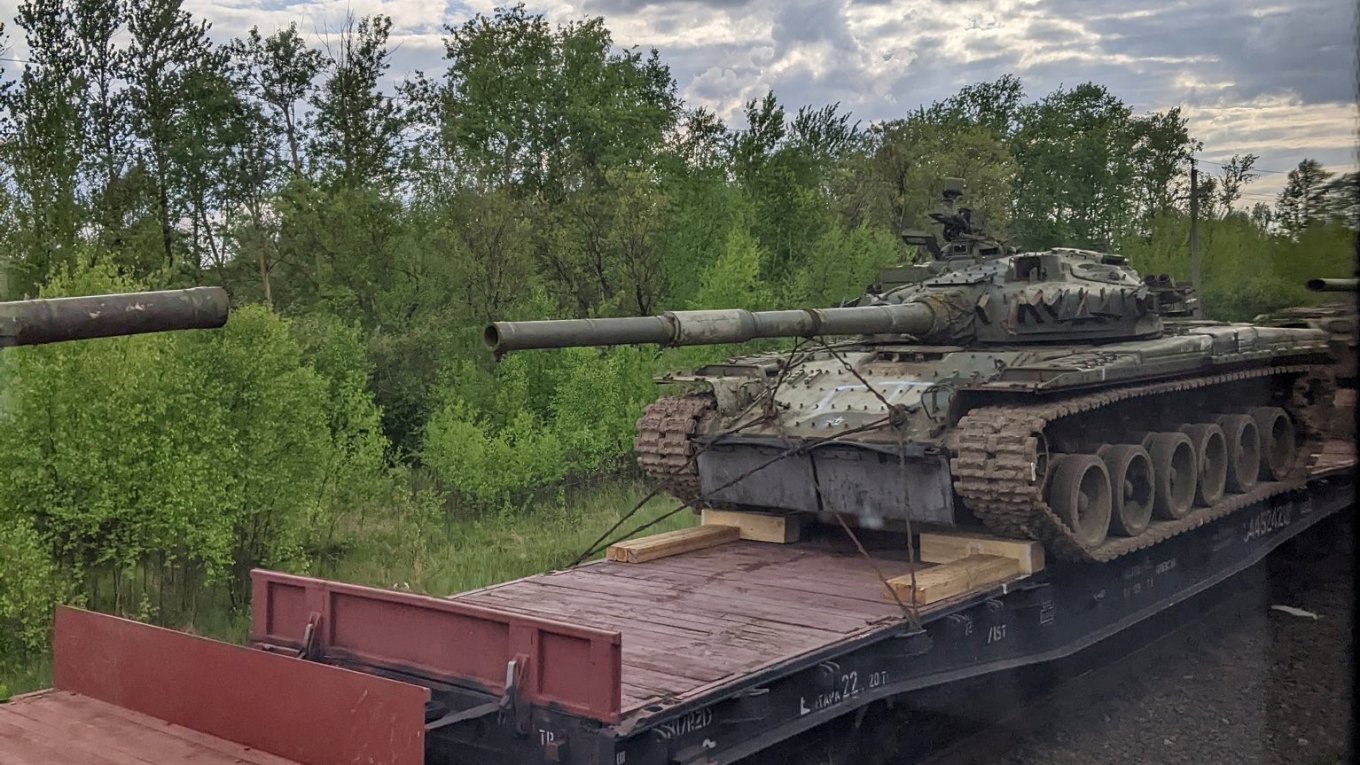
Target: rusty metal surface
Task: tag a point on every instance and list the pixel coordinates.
(299, 710)
(570, 667)
(59, 728)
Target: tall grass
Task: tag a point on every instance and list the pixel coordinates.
(461, 553)
(443, 557)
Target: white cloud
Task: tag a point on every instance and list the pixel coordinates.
(1276, 80)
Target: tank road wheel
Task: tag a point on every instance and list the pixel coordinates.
(1174, 473)
(1277, 441)
(1131, 487)
(1079, 492)
(1244, 451)
(1211, 458)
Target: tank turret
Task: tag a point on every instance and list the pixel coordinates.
(976, 289)
(1044, 297)
(56, 320)
(1039, 395)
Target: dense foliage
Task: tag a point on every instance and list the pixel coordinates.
(366, 234)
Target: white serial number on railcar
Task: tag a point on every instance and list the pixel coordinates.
(1269, 521)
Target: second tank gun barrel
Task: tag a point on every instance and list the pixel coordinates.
(711, 327)
(1333, 285)
(56, 320)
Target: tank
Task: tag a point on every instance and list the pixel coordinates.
(1032, 395)
(57, 320)
(1339, 320)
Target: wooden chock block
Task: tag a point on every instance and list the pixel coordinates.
(944, 548)
(757, 527)
(671, 543)
(955, 578)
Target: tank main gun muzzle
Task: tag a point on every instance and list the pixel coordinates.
(57, 320)
(1333, 285)
(714, 327)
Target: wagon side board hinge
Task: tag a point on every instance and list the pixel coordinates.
(311, 635)
(512, 702)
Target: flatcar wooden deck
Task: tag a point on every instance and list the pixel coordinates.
(51, 727)
(691, 621)
(695, 621)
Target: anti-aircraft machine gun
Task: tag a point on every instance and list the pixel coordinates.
(58, 320)
(1038, 394)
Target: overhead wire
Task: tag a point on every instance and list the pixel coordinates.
(1251, 170)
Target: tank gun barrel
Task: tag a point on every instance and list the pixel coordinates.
(56, 320)
(713, 327)
(1333, 285)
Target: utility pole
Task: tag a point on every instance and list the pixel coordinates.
(1194, 238)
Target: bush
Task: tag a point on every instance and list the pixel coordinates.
(597, 404)
(1246, 271)
(522, 434)
(30, 588)
(843, 264)
(490, 467)
(207, 451)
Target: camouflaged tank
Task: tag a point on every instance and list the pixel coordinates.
(1339, 320)
(1038, 394)
(59, 320)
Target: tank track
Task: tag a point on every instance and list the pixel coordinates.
(997, 449)
(664, 448)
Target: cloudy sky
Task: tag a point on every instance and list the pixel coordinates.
(1278, 80)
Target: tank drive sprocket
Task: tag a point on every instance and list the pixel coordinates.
(664, 444)
(1000, 453)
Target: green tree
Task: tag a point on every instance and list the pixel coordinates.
(898, 181)
(279, 71)
(1343, 200)
(171, 63)
(273, 75)
(994, 106)
(1075, 176)
(356, 125)
(45, 153)
(30, 588)
(1090, 173)
(107, 149)
(1235, 174)
(543, 109)
(1303, 200)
